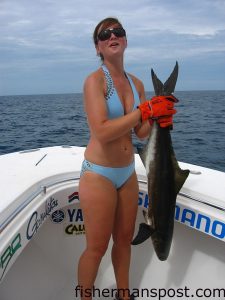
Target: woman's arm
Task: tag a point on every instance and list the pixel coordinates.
(143, 129)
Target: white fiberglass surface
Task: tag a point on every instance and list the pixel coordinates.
(47, 267)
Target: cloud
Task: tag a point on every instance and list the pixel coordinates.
(44, 35)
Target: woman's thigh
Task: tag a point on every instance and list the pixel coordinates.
(98, 200)
(126, 211)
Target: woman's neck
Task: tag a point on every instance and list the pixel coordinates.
(115, 67)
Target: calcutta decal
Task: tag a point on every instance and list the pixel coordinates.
(75, 229)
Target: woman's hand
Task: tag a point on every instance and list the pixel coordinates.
(159, 108)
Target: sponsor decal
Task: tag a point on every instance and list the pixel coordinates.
(192, 218)
(74, 225)
(75, 215)
(200, 222)
(37, 218)
(143, 199)
(76, 222)
(75, 229)
(72, 219)
(9, 252)
(72, 197)
(58, 216)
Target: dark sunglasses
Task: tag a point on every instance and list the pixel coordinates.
(106, 34)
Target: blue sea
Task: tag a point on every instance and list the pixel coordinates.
(35, 121)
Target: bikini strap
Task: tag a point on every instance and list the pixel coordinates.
(109, 83)
(135, 93)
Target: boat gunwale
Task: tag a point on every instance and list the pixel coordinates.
(43, 189)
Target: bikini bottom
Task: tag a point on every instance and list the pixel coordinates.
(118, 176)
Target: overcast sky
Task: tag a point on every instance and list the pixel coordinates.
(46, 45)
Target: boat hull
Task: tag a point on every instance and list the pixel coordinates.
(46, 266)
(41, 245)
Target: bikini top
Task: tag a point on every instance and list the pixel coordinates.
(114, 105)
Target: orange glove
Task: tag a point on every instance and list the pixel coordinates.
(158, 106)
(165, 122)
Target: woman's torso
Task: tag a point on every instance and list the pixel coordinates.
(121, 98)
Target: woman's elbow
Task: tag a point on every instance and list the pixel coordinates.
(143, 132)
(142, 136)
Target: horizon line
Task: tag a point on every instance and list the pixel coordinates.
(81, 93)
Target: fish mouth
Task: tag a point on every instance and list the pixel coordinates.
(161, 245)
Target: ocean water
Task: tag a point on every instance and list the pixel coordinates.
(35, 121)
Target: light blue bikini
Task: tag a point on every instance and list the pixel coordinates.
(118, 176)
(114, 105)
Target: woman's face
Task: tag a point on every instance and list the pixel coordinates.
(114, 45)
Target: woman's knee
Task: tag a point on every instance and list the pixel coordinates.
(123, 235)
(123, 240)
(97, 251)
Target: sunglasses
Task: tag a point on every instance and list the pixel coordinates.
(106, 34)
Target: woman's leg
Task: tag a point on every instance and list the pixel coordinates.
(98, 200)
(123, 231)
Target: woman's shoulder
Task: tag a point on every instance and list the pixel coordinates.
(94, 83)
(95, 76)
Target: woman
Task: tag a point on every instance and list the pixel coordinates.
(108, 188)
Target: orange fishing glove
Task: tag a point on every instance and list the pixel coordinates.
(157, 107)
(165, 121)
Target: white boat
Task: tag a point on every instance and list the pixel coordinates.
(42, 233)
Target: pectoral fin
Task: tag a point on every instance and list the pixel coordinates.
(180, 178)
(145, 231)
(180, 175)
